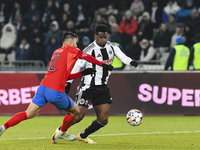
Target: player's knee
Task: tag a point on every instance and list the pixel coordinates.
(77, 120)
(75, 112)
(79, 117)
(103, 121)
(30, 115)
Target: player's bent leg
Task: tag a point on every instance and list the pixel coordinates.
(69, 118)
(67, 122)
(83, 110)
(94, 126)
(61, 133)
(102, 112)
(74, 110)
(80, 116)
(32, 110)
(17, 118)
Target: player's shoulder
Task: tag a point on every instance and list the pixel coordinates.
(112, 45)
(89, 48)
(72, 49)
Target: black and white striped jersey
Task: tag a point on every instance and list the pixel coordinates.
(104, 54)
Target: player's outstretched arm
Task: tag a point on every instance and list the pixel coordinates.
(82, 73)
(125, 59)
(75, 69)
(91, 59)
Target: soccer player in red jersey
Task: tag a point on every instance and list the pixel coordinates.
(52, 87)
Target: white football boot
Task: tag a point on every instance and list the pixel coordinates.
(86, 140)
(61, 135)
(2, 129)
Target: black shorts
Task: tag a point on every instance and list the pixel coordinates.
(95, 95)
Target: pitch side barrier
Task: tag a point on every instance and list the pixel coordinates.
(37, 65)
(23, 65)
(152, 92)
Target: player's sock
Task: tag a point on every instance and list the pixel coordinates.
(95, 125)
(17, 118)
(71, 125)
(67, 122)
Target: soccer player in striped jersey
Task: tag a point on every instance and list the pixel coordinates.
(93, 88)
(52, 87)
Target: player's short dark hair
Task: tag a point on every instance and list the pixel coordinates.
(68, 35)
(101, 28)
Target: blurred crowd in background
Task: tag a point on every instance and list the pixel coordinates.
(144, 29)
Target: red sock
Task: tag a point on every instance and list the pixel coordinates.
(17, 118)
(67, 122)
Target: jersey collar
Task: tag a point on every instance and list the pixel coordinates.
(64, 45)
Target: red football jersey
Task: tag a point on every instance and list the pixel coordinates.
(60, 67)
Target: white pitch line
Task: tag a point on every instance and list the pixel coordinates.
(175, 132)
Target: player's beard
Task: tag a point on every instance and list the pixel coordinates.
(102, 44)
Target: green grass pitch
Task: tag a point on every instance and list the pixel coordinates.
(156, 132)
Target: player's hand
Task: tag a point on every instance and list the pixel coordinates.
(134, 63)
(107, 66)
(67, 87)
(88, 71)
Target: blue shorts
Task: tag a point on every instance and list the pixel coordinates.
(61, 100)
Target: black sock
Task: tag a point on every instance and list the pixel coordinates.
(95, 125)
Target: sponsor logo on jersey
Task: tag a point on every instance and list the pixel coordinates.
(99, 55)
(82, 101)
(107, 61)
(86, 102)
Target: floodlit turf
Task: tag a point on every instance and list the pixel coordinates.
(166, 133)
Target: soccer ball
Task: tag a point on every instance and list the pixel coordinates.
(134, 117)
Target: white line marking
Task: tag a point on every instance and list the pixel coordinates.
(175, 132)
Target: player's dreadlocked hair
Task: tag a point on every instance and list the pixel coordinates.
(101, 28)
(68, 35)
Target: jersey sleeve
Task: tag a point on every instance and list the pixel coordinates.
(75, 75)
(78, 65)
(121, 56)
(77, 52)
(89, 58)
(80, 62)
